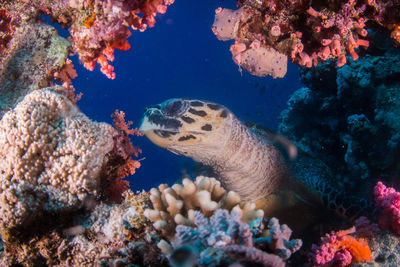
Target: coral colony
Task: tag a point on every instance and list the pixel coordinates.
(63, 200)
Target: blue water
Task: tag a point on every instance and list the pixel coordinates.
(179, 57)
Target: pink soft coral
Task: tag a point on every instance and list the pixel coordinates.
(388, 199)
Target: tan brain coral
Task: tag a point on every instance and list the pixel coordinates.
(51, 155)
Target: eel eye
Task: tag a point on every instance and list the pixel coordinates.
(174, 107)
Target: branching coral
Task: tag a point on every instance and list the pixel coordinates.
(224, 239)
(266, 31)
(176, 205)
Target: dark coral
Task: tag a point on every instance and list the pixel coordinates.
(349, 118)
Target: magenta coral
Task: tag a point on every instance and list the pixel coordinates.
(388, 199)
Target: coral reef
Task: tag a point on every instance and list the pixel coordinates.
(109, 235)
(51, 157)
(176, 205)
(103, 235)
(98, 27)
(267, 32)
(341, 110)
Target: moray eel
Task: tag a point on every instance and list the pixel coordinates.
(247, 160)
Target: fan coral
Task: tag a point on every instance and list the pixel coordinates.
(51, 156)
(388, 199)
(176, 205)
(340, 249)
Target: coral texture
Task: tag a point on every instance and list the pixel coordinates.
(175, 205)
(305, 32)
(51, 155)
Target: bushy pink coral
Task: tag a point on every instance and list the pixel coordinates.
(388, 199)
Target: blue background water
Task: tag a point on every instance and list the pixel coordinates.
(179, 57)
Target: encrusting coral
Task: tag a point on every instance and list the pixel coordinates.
(175, 205)
(51, 156)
